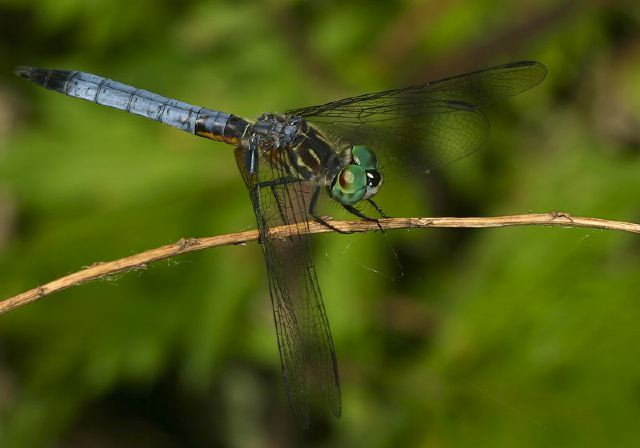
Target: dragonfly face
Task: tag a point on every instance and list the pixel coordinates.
(359, 180)
(331, 146)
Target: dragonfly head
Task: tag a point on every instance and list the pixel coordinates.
(360, 179)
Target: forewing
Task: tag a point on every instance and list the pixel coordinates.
(442, 117)
(479, 88)
(302, 327)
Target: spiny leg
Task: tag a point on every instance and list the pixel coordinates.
(248, 163)
(276, 182)
(319, 219)
(251, 165)
(382, 214)
(312, 205)
(377, 207)
(360, 214)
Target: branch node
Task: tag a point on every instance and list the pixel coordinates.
(185, 243)
(426, 222)
(561, 215)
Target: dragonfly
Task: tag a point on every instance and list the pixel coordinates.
(344, 149)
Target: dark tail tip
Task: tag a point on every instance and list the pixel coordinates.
(49, 79)
(33, 74)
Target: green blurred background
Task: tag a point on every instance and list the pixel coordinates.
(501, 337)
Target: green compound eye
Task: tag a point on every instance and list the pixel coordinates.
(364, 157)
(350, 185)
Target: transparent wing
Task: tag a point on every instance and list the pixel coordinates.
(304, 338)
(441, 117)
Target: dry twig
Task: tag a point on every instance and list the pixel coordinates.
(139, 261)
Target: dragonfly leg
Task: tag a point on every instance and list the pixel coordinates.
(358, 213)
(377, 207)
(276, 182)
(317, 218)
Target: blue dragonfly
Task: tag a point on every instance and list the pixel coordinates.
(339, 148)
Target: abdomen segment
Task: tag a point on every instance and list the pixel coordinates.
(140, 102)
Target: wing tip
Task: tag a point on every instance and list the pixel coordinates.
(538, 66)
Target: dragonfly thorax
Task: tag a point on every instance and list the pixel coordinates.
(299, 149)
(302, 151)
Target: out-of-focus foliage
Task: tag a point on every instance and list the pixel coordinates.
(505, 337)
